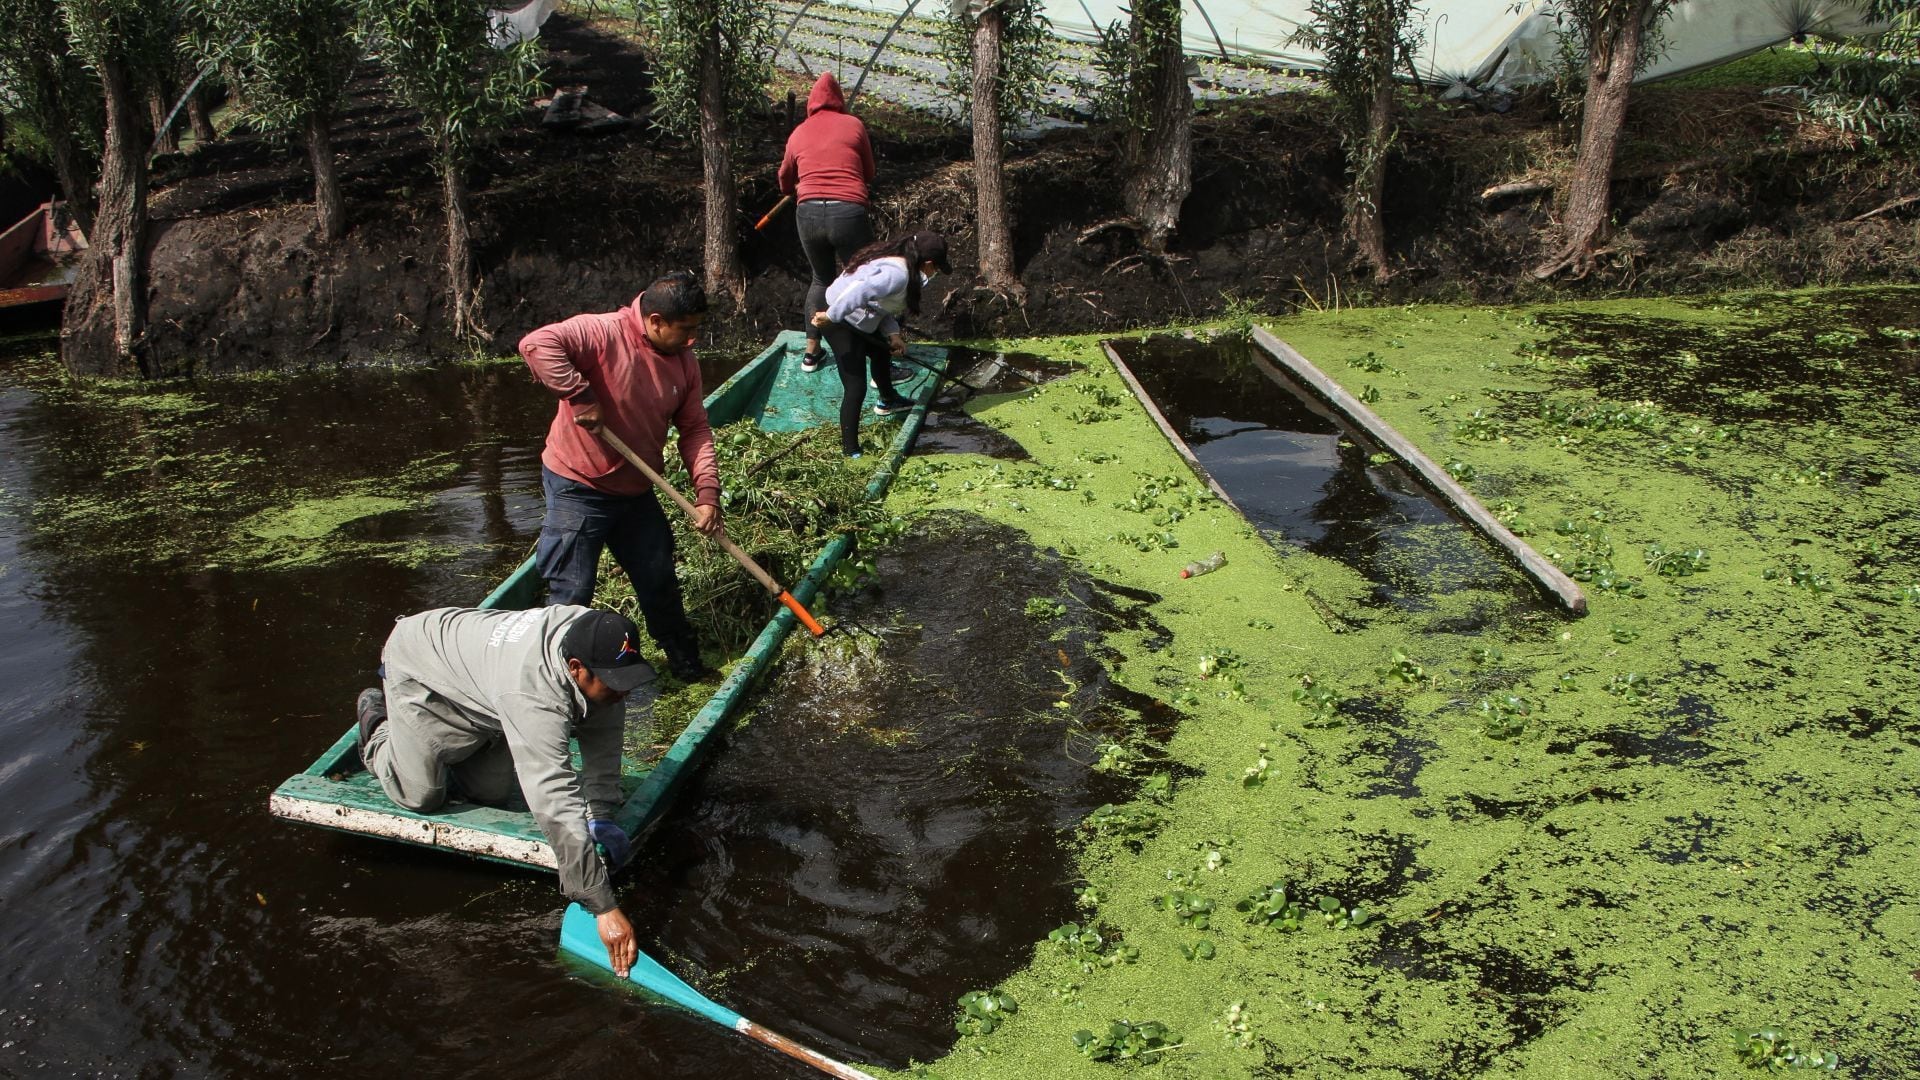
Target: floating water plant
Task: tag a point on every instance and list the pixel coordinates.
(1272, 907)
(1673, 563)
(1190, 908)
(1091, 950)
(1505, 716)
(981, 1011)
(1124, 1041)
(1768, 1049)
(1338, 916)
(1045, 609)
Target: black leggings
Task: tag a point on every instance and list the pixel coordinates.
(856, 353)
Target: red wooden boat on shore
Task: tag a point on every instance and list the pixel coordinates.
(38, 257)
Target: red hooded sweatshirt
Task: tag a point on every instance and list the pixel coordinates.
(607, 359)
(828, 155)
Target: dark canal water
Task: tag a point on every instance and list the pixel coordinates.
(842, 873)
(1305, 478)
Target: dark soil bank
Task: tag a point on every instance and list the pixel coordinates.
(1718, 188)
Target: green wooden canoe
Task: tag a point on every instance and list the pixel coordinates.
(772, 392)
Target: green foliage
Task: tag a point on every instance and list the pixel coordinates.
(1768, 1049)
(1682, 563)
(1361, 43)
(1124, 1041)
(1126, 57)
(1401, 668)
(1869, 88)
(1028, 52)
(1505, 716)
(1273, 908)
(1190, 908)
(743, 37)
(1044, 609)
(443, 65)
(44, 89)
(1338, 916)
(784, 497)
(1256, 774)
(1582, 26)
(1125, 822)
(133, 33)
(1802, 576)
(1087, 948)
(290, 60)
(1322, 703)
(981, 1011)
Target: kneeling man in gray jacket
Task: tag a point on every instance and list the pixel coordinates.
(476, 704)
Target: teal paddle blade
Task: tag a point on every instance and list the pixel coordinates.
(580, 935)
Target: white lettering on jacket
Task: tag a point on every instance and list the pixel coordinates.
(514, 629)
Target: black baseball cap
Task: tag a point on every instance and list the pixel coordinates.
(609, 645)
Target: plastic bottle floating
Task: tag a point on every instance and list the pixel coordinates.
(1205, 566)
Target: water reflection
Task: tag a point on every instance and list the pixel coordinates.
(153, 690)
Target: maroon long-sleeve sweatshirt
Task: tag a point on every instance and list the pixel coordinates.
(829, 155)
(607, 359)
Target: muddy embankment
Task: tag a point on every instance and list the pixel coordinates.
(1719, 188)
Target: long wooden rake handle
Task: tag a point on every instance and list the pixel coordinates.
(777, 207)
(726, 544)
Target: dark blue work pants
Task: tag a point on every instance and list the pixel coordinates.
(580, 522)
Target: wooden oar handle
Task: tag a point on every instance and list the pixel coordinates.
(726, 543)
(794, 1050)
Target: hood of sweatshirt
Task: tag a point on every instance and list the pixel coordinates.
(826, 95)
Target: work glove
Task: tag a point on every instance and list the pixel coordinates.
(614, 845)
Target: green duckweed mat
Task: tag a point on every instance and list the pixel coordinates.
(1473, 836)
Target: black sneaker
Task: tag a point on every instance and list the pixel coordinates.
(813, 361)
(369, 712)
(892, 408)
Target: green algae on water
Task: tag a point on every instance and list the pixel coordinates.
(1694, 814)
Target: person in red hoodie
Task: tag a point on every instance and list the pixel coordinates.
(827, 168)
(634, 372)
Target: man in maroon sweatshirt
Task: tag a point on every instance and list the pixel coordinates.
(634, 372)
(828, 166)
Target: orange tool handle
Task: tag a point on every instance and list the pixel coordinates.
(777, 207)
(799, 612)
(726, 543)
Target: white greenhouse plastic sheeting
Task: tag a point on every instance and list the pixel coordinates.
(512, 26)
(1481, 42)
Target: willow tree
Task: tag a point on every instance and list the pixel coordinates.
(1000, 54)
(1362, 43)
(105, 325)
(45, 90)
(1615, 40)
(1146, 93)
(711, 63)
(290, 61)
(442, 64)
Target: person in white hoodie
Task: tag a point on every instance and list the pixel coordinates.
(862, 324)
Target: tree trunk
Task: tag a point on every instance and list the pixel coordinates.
(1365, 226)
(329, 211)
(722, 255)
(76, 180)
(460, 288)
(158, 106)
(992, 223)
(104, 327)
(1159, 155)
(1610, 68)
(197, 116)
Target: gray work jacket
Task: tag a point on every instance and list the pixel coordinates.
(504, 672)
